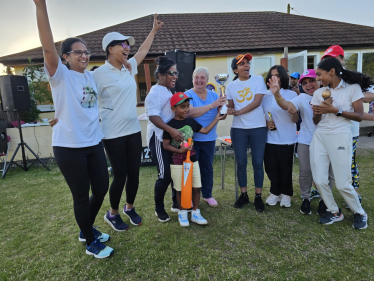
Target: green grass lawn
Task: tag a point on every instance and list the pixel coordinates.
(39, 235)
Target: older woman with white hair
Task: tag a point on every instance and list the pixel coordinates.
(203, 108)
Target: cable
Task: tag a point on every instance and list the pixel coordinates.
(297, 11)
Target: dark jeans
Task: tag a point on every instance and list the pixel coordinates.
(205, 154)
(162, 159)
(82, 168)
(124, 154)
(278, 162)
(256, 139)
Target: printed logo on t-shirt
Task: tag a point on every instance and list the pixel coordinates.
(187, 133)
(89, 97)
(243, 94)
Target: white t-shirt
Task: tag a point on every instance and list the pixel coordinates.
(75, 100)
(343, 96)
(242, 93)
(117, 99)
(286, 129)
(157, 103)
(307, 127)
(355, 128)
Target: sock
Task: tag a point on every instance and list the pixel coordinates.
(111, 215)
(257, 195)
(245, 194)
(126, 209)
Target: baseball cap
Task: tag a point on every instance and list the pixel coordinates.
(295, 75)
(333, 51)
(308, 73)
(179, 98)
(239, 58)
(116, 36)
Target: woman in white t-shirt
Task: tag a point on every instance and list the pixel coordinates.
(244, 96)
(76, 139)
(334, 106)
(278, 158)
(158, 110)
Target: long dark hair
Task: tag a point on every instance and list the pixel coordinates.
(283, 76)
(350, 77)
(66, 46)
(163, 64)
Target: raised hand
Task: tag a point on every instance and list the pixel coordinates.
(273, 85)
(157, 24)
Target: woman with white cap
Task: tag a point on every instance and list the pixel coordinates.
(122, 140)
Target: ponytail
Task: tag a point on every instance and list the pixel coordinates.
(350, 77)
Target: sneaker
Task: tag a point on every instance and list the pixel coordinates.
(115, 222)
(102, 237)
(183, 218)
(242, 200)
(314, 193)
(330, 218)
(175, 208)
(305, 207)
(359, 198)
(196, 217)
(285, 201)
(259, 204)
(211, 201)
(360, 221)
(273, 200)
(322, 208)
(135, 219)
(162, 216)
(99, 250)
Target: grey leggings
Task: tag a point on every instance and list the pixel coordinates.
(256, 139)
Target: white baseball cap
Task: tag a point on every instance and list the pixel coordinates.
(115, 36)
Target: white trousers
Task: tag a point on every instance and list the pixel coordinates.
(335, 149)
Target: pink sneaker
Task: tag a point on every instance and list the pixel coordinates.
(211, 201)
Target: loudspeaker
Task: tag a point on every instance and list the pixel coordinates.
(14, 93)
(3, 137)
(186, 62)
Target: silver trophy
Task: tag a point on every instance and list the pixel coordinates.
(221, 79)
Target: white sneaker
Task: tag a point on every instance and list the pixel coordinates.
(286, 201)
(273, 200)
(196, 217)
(183, 218)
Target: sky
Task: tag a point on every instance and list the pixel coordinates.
(69, 18)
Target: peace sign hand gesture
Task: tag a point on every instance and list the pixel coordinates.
(157, 24)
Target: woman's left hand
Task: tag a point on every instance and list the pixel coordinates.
(325, 107)
(53, 122)
(127, 66)
(157, 24)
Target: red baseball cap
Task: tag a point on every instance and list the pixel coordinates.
(333, 51)
(179, 98)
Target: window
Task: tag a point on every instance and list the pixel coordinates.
(351, 61)
(368, 64)
(311, 62)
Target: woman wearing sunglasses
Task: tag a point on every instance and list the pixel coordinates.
(157, 107)
(76, 139)
(122, 140)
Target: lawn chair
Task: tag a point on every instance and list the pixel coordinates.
(5, 156)
(15, 123)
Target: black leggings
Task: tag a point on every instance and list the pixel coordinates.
(81, 168)
(124, 154)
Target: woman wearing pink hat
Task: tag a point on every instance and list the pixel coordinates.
(307, 127)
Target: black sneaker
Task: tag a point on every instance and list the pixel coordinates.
(242, 200)
(360, 221)
(330, 218)
(162, 216)
(305, 207)
(322, 209)
(259, 204)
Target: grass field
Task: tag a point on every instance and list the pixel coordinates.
(39, 236)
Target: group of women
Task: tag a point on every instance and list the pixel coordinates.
(79, 137)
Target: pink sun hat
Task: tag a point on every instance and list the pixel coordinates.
(308, 73)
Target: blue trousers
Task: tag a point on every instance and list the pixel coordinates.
(256, 139)
(205, 154)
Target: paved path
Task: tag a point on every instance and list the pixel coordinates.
(365, 142)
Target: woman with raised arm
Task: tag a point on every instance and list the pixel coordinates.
(334, 106)
(76, 138)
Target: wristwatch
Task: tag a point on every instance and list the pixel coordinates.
(339, 113)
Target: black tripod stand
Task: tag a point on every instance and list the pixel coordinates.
(22, 144)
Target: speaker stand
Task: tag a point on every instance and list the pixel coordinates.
(22, 144)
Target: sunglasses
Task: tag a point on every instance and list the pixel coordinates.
(172, 73)
(79, 53)
(124, 45)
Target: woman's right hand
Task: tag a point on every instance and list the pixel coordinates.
(273, 85)
(292, 109)
(270, 125)
(176, 135)
(219, 102)
(53, 122)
